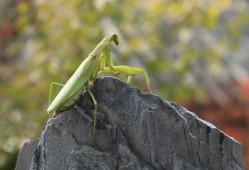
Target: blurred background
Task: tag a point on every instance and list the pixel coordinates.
(196, 53)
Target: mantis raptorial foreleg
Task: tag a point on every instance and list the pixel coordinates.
(121, 69)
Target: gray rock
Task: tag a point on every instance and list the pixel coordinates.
(25, 155)
(134, 131)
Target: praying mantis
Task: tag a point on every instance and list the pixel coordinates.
(94, 65)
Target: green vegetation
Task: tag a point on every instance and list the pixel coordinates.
(176, 42)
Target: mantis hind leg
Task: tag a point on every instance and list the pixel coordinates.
(51, 89)
(95, 110)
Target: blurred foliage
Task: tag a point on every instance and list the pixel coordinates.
(180, 43)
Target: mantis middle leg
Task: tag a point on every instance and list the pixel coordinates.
(127, 70)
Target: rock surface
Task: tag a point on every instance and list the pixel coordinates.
(134, 131)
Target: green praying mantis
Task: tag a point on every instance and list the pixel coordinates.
(93, 66)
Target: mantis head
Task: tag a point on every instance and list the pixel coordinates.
(114, 37)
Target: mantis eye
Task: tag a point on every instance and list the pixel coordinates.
(114, 37)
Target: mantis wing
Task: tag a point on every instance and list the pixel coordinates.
(73, 85)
